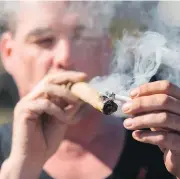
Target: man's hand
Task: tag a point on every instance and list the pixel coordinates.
(42, 117)
(156, 106)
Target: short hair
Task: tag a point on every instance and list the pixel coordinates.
(102, 10)
(8, 15)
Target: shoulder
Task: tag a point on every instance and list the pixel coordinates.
(8, 91)
(5, 141)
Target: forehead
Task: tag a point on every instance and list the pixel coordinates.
(62, 13)
(35, 14)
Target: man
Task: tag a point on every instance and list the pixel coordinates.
(55, 135)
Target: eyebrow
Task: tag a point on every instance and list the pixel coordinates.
(38, 32)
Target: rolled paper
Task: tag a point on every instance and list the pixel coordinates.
(91, 96)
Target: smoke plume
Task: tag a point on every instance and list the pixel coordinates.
(143, 54)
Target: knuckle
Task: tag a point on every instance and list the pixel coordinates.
(164, 100)
(162, 139)
(137, 103)
(27, 115)
(166, 85)
(23, 110)
(144, 88)
(48, 79)
(39, 90)
(163, 117)
(52, 79)
(20, 106)
(140, 121)
(43, 89)
(46, 103)
(44, 85)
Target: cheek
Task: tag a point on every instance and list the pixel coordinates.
(43, 63)
(88, 63)
(91, 61)
(34, 62)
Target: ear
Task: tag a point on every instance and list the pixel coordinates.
(6, 46)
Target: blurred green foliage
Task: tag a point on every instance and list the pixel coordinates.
(118, 27)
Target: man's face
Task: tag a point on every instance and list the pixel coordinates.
(48, 39)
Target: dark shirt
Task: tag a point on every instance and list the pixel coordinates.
(137, 158)
(8, 91)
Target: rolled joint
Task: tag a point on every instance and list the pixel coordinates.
(91, 96)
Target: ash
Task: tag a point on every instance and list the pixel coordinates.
(108, 96)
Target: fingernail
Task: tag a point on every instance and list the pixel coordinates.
(134, 92)
(128, 123)
(137, 134)
(127, 107)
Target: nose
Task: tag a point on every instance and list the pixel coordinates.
(62, 55)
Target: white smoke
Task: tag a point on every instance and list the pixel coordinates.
(137, 58)
(153, 51)
(95, 15)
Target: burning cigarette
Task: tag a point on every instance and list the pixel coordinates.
(122, 98)
(89, 95)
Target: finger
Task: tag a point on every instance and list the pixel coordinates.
(56, 91)
(172, 162)
(154, 120)
(158, 87)
(42, 106)
(58, 78)
(168, 140)
(65, 77)
(157, 102)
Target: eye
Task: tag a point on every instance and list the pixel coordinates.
(47, 42)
